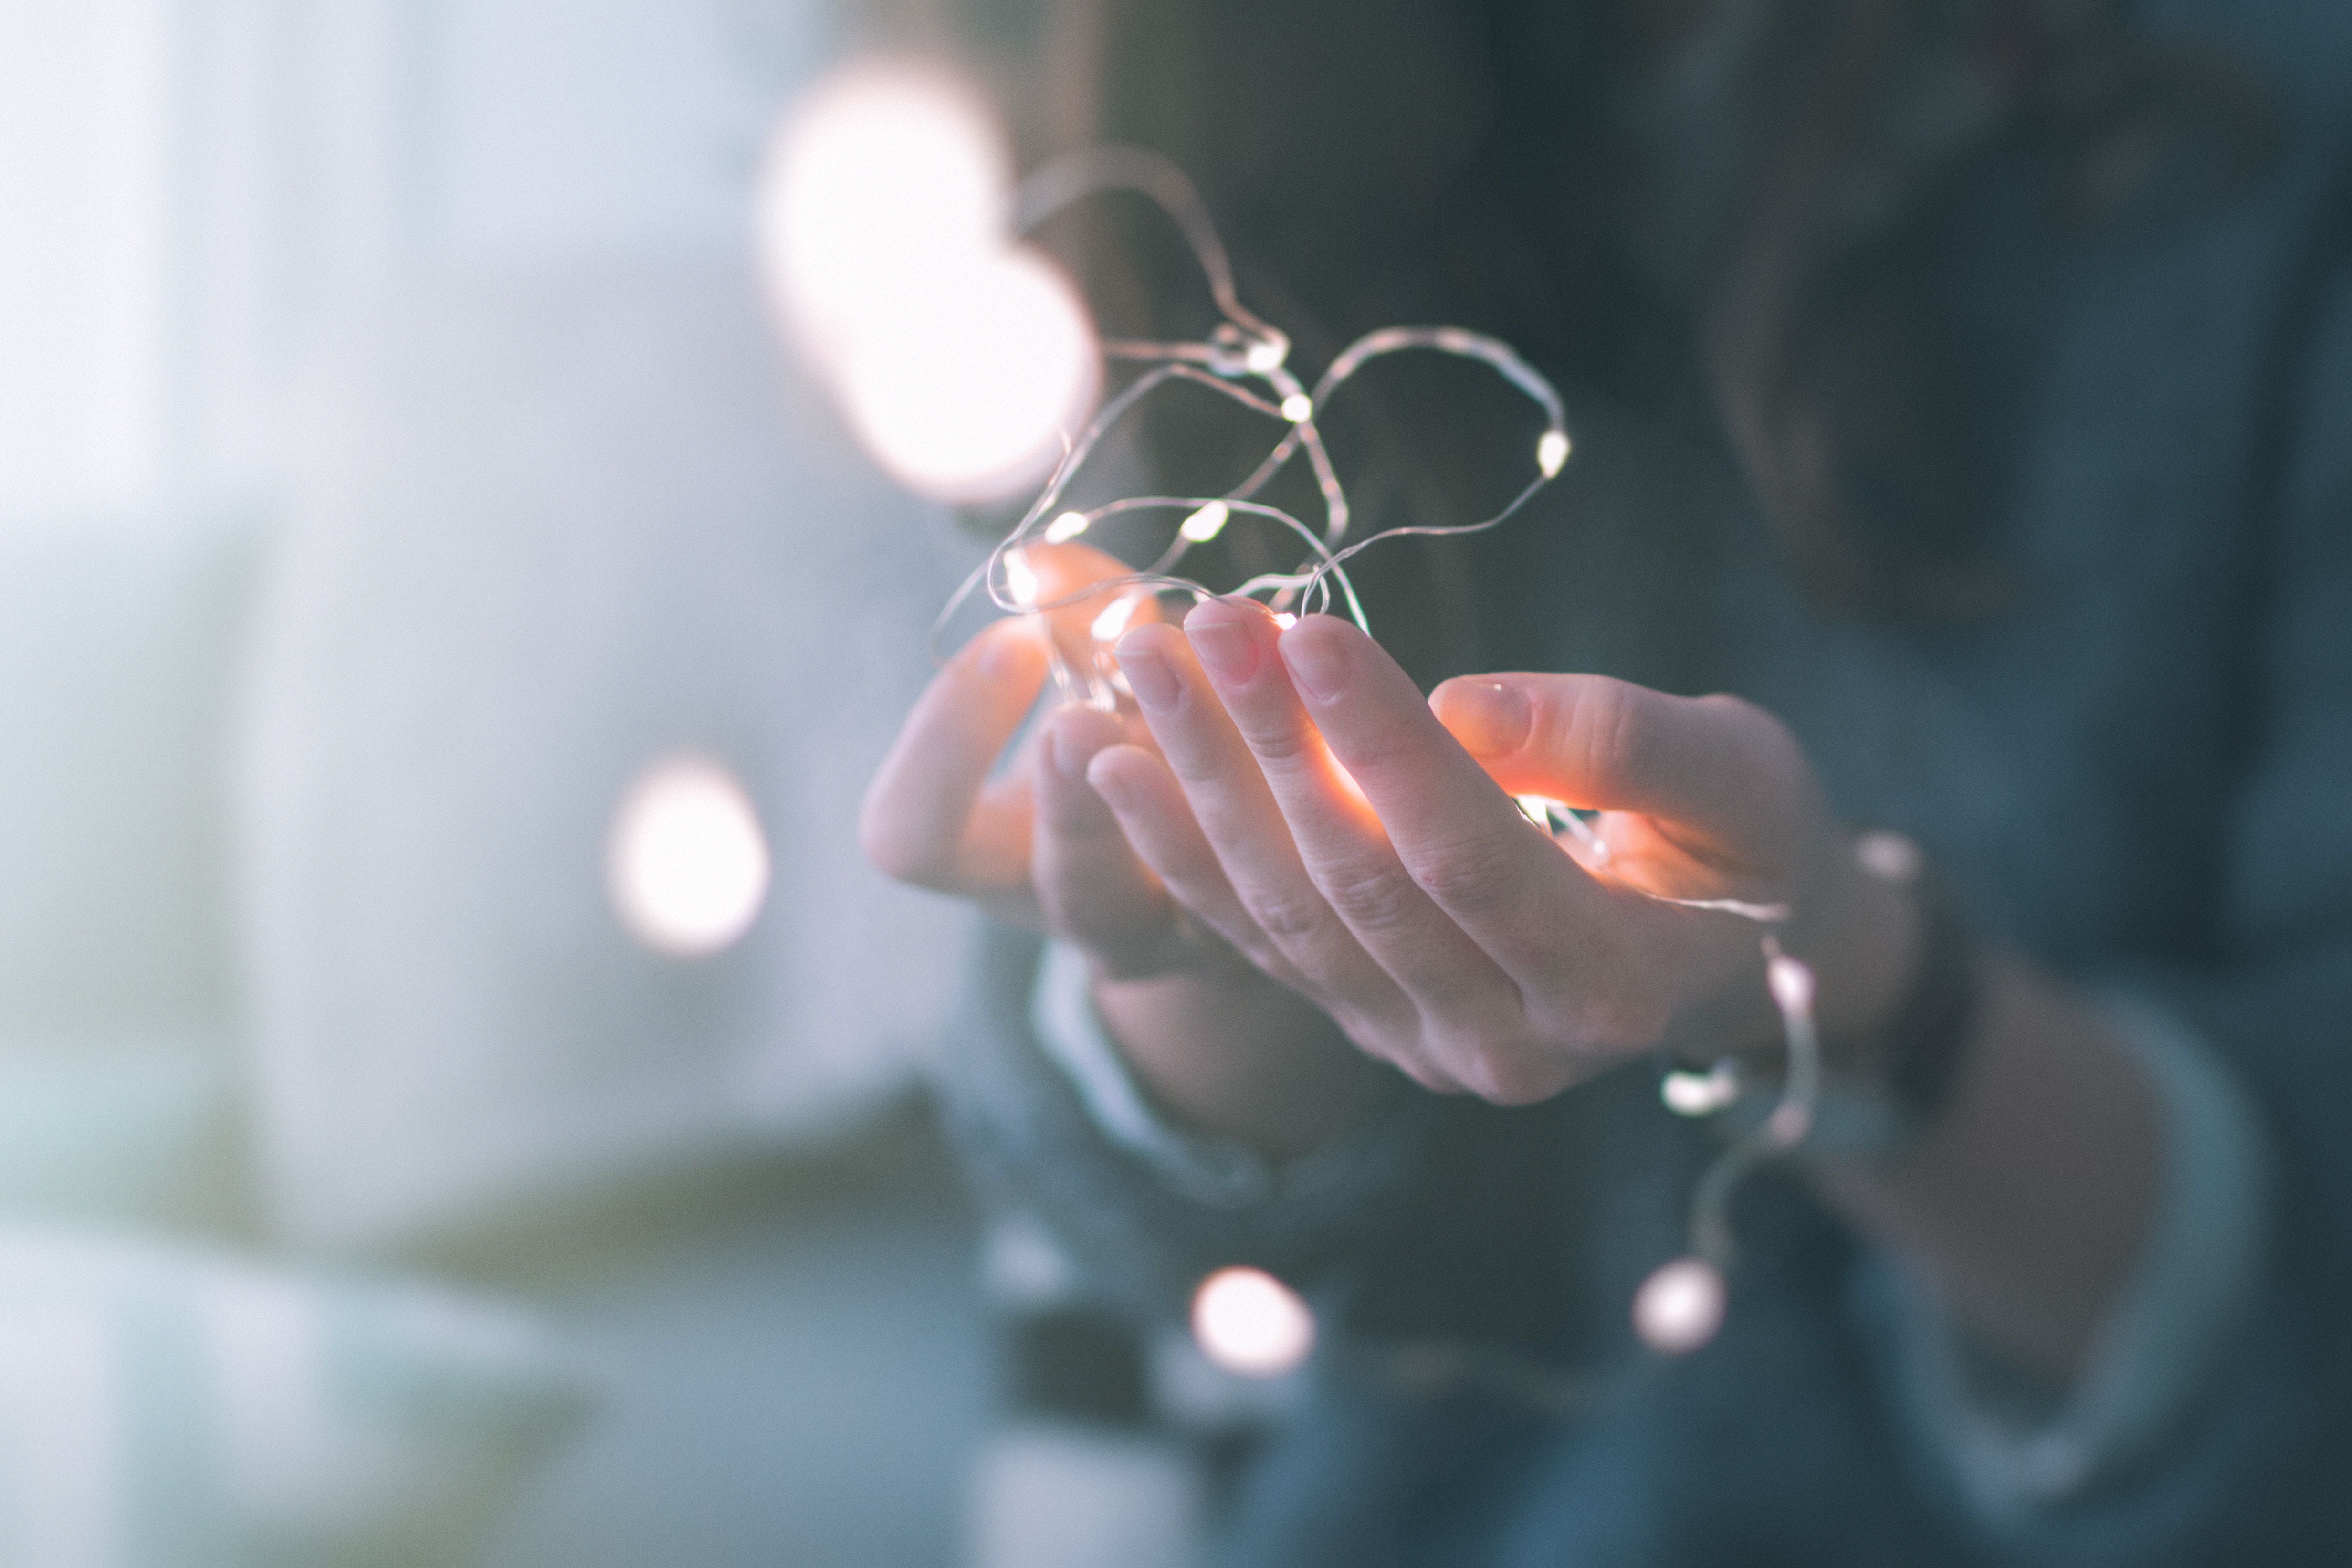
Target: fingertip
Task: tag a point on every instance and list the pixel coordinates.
(1490, 717)
(1010, 650)
(1112, 772)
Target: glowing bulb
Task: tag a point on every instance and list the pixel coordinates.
(1020, 578)
(1113, 621)
(1680, 1307)
(870, 181)
(1551, 453)
(1248, 1322)
(1066, 527)
(1889, 856)
(965, 392)
(1284, 620)
(687, 865)
(1535, 808)
(1265, 356)
(1206, 523)
(1299, 408)
(1791, 981)
(1699, 1093)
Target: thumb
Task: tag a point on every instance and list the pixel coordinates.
(1717, 765)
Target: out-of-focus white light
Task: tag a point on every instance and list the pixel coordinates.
(1680, 1307)
(687, 864)
(1113, 621)
(1066, 527)
(1206, 523)
(885, 172)
(1284, 620)
(1889, 856)
(1266, 355)
(1551, 453)
(1250, 1323)
(1299, 408)
(965, 394)
(1020, 578)
(1791, 981)
(1699, 1093)
(959, 358)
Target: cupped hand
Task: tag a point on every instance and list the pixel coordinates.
(1032, 842)
(1359, 844)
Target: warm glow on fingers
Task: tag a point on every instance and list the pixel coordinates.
(1248, 1322)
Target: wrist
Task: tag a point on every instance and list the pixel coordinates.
(1224, 1049)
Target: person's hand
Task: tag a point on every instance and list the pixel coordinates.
(1358, 844)
(1034, 844)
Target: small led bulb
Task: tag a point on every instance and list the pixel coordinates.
(1113, 621)
(1699, 1093)
(1206, 523)
(1066, 527)
(1791, 981)
(1299, 408)
(1284, 620)
(1252, 1325)
(1266, 355)
(1551, 452)
(1019, 579)
(1680, 1307)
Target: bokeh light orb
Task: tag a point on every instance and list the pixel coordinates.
(1250, 1323)
(958, 357)
(1680, 1306)
(881, 174)
(687, 864)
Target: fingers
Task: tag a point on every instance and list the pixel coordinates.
(1446, 885)
(1088, 881)
(1239, 820)
(928, 818)
(1341, 841)
(1155, 817)
(1724, 773)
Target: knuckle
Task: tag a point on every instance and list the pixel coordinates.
(1277, 742)
(1472, 879)
(1372, 896)
(1611, 724)
(1288, 915)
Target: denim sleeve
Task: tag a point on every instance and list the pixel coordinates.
(2015, 1449)
(1059, 1132)
(2249, 1465)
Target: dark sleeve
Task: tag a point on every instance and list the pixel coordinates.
(1035, 1149)
(2259, 1474)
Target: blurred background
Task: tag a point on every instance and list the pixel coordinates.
(459, 1083)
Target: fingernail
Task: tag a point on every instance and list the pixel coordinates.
(1108, 785)
(1148, 674)
(1318, 668)
(1488, 717)
(1226, 650)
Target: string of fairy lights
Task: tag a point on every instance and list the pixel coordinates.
(1247, 361)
